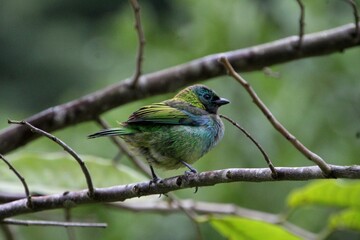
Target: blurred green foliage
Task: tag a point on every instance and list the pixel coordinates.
(237, 228)
(38, 167)
(56, 51)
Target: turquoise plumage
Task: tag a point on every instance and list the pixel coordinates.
(176, 132)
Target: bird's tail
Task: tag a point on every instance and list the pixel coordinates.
(111, 132)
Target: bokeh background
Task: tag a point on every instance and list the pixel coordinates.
(52, 52)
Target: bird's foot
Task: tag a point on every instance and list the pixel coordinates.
(191, 169)
(155, 180)
(190, 172)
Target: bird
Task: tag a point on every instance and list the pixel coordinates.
(176, 132)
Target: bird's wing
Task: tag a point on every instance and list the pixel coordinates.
(163, 114)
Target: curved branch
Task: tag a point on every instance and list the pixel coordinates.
(209, 208)
(248, 59)
(134, 190)
(21, 178)
(66, 148)
(266, 157)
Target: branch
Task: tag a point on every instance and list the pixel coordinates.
(301, 22)
(141, 41)
(70, 231)
(211, 209)
(198, 206)
(22, 179)
(52, 223)
(254, 58)
(7, 232)
(266, 157)
(276, 124)
(356, 18)
(66, 148)
(135, 190)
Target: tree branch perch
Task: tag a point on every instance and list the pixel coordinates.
(134, 190)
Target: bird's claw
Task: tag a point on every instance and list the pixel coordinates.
(189, 173)
(155, 180)
(192, 170)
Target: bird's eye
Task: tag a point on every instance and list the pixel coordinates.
(207, 96)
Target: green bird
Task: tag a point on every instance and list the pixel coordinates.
(176, 132)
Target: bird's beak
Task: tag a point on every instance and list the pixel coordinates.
(222, 101)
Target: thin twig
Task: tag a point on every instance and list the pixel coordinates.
(141, 41)
(52, 223)
(66, 148)
(325, 168)
(200, 207)
(22, 179)
(266, 157)
(301, 22)
(123, 148)
(356, 18)
(70, 231)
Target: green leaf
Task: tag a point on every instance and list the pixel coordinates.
(242, 228)
(337, 193)
(58, 172)
(347, 219)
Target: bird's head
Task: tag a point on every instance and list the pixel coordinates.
(202, 97)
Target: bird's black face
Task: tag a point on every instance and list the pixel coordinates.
(209, 98)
